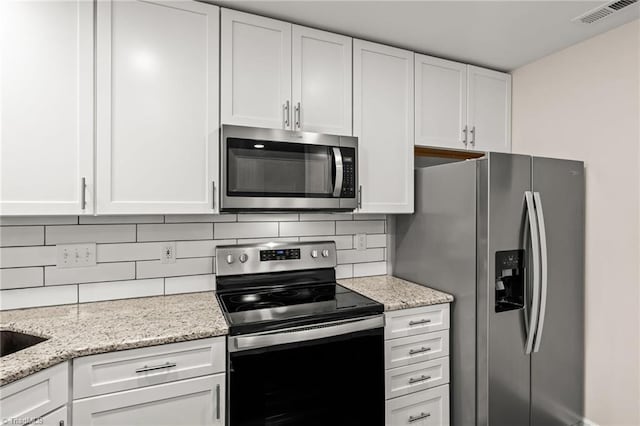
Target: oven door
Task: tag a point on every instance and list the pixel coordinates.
(333, 380)
(267, 169)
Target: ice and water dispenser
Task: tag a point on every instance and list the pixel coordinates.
(510, 279)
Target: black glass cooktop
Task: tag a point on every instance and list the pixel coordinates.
(280, 307)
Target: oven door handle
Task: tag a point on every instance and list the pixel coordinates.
(303, 333)
(337, 158)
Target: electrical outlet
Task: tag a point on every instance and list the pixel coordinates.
(76, 255)
(168, 254)
(361, 242)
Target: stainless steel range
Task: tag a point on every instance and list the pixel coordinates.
(302, 349)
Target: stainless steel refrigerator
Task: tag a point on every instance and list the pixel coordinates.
(505, 235)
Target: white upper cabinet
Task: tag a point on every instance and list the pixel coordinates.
(441, 102)
(283, 76)
(157, 107)
(46, 102)
(383, 121)
(256, 71)
(489, 110)
(322, 78)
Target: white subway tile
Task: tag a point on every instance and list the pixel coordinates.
(344, 271)
(267, 217)
(90, 234)
(120, 290)
(192, 266)
(268, 240)
(374, 240)
(245, 230)
(38, 220)
(343, 242)
(206, 248)
(369, 269)
(89, 274)
(291, 229)
(121, 219)
(185, 218)
(21, 277)
(128, 252)
(176, 231)
(38, 296)
(369, 216)
(360, 227)
(17, 236)
(359, 256)
(325, 216)
(190, 284)
(27, 256)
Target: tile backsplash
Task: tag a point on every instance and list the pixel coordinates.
(128, 252)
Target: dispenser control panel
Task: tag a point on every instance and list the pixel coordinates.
(510, 280)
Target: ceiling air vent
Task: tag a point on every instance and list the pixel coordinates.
(603, 11)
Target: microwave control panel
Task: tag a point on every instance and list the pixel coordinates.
(349, 173)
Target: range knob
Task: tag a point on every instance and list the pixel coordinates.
(243, 257)
(325, 253)
(229, 259)
(314, 253)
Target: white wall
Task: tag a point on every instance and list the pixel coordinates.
(583, 103)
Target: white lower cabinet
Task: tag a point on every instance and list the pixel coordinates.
(198, 401)
(417, 366)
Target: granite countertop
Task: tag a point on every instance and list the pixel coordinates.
(396, 293)
(93, 328)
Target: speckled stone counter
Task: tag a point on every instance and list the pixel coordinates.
(395, 293)
(92, 328)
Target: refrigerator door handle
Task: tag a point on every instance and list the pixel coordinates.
(544, 269)
(535, 247)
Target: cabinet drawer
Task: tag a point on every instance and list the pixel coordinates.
(35, 395)
(409, 322)
(426, 408)
(57, 418)
(418, 348)
(404, 380)
(117, 371)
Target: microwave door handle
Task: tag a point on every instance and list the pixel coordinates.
(337, 158)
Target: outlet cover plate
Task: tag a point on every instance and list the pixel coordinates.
(168, 253)
(361, 242)
(76, 255)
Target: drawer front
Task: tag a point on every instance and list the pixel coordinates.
(413, 378)
(427, 408)
(57, 418)
(130, 369)
(35, 395)
(409, 322)
(414, 349)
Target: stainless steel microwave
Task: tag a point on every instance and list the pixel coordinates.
(271, 170)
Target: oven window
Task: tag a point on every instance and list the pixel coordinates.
(278, 169)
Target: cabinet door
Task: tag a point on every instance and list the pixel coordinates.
(321, 81)
(383, 121)
(157, 89)
(256, 71)
(441, 102)
(489, 110)
(57, 418)
(198, 401)
(47, 107)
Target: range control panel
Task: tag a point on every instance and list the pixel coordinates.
(274, 257)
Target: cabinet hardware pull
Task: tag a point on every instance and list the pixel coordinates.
(213, 195)
(419, 351)
(465, 131)
(422, 321)
(156, 367)
(285, 113)
(297, 115)
(418, 417)
(83, 193)
(419, 379)
(473, 136)
(360, 197)
(218, 402)
(61, 423)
